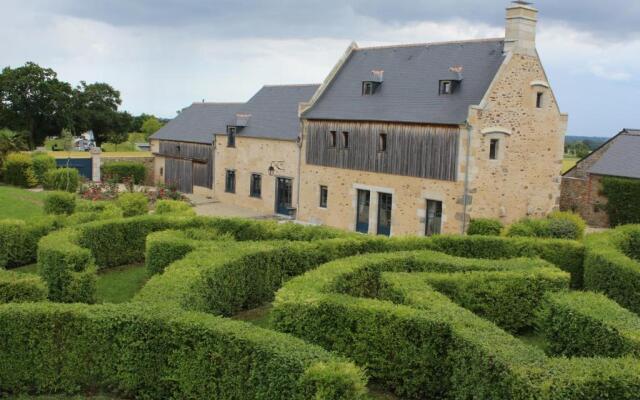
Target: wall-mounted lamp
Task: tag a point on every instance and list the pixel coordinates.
(275, 165)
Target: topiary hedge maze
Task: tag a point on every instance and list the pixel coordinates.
(439, 317)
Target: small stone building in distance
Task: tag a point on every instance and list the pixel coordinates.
(581, 185)
(419, 138)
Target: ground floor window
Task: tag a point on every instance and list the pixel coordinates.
(385, 204)
(433, 222)
(230, 181)
(324, 194)
(255, 188)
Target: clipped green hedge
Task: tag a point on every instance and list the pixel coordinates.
(485, 226)
(622, 200)
(18, 170)
(16, 287)
(19, 239)
(607, 269)
(120, 170)
(42, 162)
(420, 344)
(557, 225)
(59, 203)
(174, 207)
(133, 204)
(145, 352)
(586, 324)
(414, 352)
(65, 179)
(68, 269)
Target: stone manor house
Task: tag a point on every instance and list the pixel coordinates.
(406, 139)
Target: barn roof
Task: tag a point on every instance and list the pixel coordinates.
(410, 84)
(272, 113)
(622, 158)
(198, 122)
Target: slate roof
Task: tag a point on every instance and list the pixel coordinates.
(198, 122)
(622, 158)
(273, 115)
(410, 91)
(274, 111)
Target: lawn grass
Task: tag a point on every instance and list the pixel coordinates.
(120, 284)
(18, 203)
(114, 285)
(568, 163)
(257, 316)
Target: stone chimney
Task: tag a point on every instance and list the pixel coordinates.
(520, 36)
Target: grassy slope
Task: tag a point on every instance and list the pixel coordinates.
(115, 285)
(20, 203)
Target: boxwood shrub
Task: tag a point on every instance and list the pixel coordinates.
(120, 170)
(145, 352)
(42, 163)
(426, 346)
(133, 204)
(609, 270)
(18, 170)
(174, 207)
(19, 239)
(17, 287)
(66, 179)
(59, 203)
(587, 324)
(485, 226)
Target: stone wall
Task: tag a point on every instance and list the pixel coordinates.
(255, 156)
(525, 179)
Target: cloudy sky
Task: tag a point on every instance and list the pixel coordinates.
(164, 54)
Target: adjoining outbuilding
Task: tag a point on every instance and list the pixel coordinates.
(583, 186)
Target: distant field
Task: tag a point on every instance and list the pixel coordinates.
(568, 163)
(20, 203)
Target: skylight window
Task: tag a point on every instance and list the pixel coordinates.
(446, 87)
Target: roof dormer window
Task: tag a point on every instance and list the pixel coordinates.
(231, 136)
(447, 87)
(369, 88)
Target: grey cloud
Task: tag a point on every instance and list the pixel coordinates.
(339, 18)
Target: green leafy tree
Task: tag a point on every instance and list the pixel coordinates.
(150, 126)
(34, 100)
(96, 106)
(117, 137)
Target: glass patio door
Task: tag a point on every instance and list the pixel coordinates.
(362, 212)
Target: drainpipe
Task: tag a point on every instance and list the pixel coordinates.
(466, 178)
(299, 143)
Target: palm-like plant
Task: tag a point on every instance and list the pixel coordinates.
(10, 142)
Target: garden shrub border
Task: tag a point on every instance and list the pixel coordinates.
(587, 324)
(16, 287)
(475, 359)
(607, 269)
(146, 352)
(69, 260)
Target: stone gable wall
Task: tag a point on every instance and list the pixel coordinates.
(525, 180)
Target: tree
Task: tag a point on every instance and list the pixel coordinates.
(150, 126)
(117, 137)
(96, 108)
(579, 149)
(33, 99)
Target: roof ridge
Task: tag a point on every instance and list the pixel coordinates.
(432, 43)
(292, 85)
(222, 103)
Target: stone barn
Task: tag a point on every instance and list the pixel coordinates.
(582, 184)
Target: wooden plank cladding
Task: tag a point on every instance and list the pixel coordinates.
(188, 164)
(186, 151)
(423, 151)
